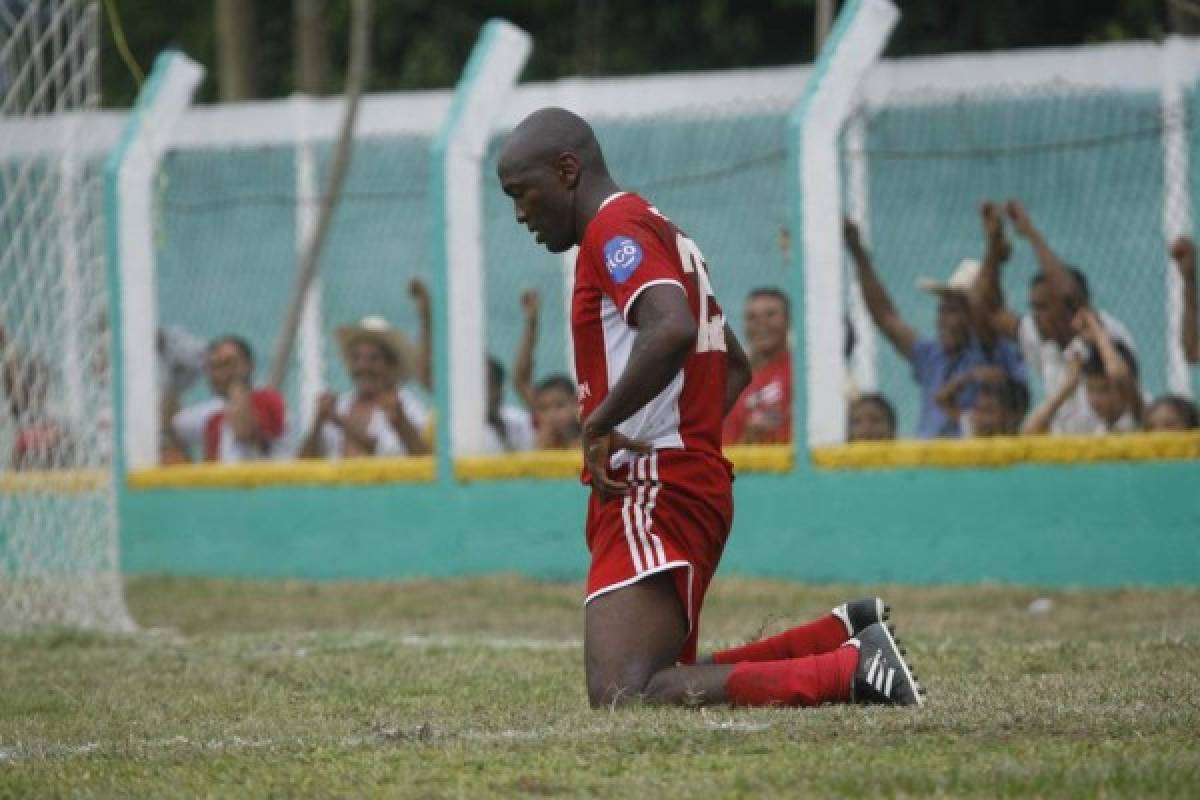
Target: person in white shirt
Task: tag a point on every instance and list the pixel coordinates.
(238, 423)
(509, 429)
(379, 416)
(1109, 377)
(1049, 342)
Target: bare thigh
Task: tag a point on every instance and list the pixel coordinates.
(633, 638)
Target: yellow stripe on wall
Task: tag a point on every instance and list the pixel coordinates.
(558, 464)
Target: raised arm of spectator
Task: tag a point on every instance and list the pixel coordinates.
(531, 306)
(879, 304)
(738, 371)
(1115, 367)
(239, 412)
(1040, 418)
(1048, 261)
(313, 445)
(420, 295)
(1184, 253)
(170, 442)
(393, 409)
(987, 294)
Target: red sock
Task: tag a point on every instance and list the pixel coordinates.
(808, 681)
(826, 634)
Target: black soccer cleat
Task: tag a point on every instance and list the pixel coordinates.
(883, 676)
(858, 615)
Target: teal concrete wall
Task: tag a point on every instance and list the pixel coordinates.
(1093, 525)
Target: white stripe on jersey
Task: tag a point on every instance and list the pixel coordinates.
(633, 548)
(657, 422)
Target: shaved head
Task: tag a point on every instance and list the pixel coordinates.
(546, 134)
(552, 167)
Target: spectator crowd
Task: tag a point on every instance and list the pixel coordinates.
(972, 373)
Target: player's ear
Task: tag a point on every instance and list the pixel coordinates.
(567, 170)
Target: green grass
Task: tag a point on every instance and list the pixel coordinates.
(474, 688)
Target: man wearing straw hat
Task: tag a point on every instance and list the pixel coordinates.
(378, 417)
(958, 346)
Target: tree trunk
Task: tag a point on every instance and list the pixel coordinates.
(235, 50)
(823, 22)
(310, 40)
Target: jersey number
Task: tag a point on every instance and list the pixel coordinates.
(711, 333)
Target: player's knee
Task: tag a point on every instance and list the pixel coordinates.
(612, 688)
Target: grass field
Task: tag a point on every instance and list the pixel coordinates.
(474, 688)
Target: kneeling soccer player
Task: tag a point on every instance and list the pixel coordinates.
(657, 369)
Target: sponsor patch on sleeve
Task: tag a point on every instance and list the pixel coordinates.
(622, 256)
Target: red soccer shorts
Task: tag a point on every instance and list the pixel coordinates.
(675, 518)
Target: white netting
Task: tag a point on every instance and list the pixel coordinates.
(58, 525)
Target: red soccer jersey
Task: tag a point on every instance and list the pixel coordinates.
(627, 247)
(767, 402)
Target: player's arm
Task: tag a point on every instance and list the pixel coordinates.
(666, 333)
(987, 294)
(879, 304)
(738, 373)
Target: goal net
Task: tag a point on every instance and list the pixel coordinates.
(58, 524)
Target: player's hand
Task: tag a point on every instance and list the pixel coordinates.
(1183, 251)
(597, 447)
(419, 292)
(851, 235)
(993, 230)
(1021, 222)
(531, 305)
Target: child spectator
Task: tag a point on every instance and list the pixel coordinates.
(556, 411)
(1110, 378)
(1172, 413)
(871, 418)
(1000, 403)
(508, 428)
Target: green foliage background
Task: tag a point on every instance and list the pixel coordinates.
(423, 44)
